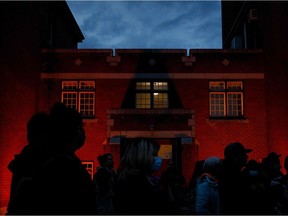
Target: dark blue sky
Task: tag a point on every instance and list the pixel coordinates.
(149, 24)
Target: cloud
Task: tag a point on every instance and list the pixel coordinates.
(148, 24)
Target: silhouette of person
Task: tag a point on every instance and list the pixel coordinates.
(274, 178)
(286, 168)
(157, 163)
(232, 187)
(24, 165)
(62, 185)
(173, 188)
(135, 192)
(105, 179)
(272, 167)
(281, 206)
(207, 193)
(258, 199)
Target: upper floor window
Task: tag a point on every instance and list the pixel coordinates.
(226, 99)
(79, 95)
(151, 95)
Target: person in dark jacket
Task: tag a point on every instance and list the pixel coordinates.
(62, 185)
(27, 162)
(105, 179)
(232, 187)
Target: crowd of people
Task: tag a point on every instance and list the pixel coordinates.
(48, 177)
(235, 185)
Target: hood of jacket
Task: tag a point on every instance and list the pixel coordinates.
(23, 162)
(211, 180)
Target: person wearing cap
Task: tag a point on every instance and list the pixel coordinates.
(232, 188)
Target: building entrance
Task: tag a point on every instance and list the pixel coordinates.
(170, 149)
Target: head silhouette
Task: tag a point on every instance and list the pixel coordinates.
(39, 130)
(236, 154)
(106, 160)
(68, 132)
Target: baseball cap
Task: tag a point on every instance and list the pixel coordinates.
(234, 149)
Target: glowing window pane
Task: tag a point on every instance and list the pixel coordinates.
(143, 101)
(160, 100)
(143, 85)
(160, 85)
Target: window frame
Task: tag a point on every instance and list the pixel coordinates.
(80, 91)
(227, 91)
(152, 94)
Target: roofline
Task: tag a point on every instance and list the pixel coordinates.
(74, 22)
(160, 51)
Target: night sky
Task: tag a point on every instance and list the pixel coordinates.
(149, 24)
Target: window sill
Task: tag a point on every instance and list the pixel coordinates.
(226, 119)
(88, 121)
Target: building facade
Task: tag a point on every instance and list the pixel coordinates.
(192, 104)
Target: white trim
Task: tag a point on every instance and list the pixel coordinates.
(86, 76)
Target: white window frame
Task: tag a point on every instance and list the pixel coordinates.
(224, 106)
(84, 105)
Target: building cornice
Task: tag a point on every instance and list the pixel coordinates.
(83, 76)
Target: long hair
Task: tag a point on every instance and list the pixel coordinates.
(137, 159)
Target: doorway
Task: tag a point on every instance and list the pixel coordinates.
(170, 149)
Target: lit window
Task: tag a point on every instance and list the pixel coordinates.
(79, 95)
(151, 95)
(226, 98)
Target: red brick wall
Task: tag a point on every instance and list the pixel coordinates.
(211, 135)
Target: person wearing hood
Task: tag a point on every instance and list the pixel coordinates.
(62, 186)
(27, 162)
(207, 194)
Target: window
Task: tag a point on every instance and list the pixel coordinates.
(226, 98)
(79, 95)
(151, 95)
(88, 165)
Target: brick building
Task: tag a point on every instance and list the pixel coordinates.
(192, 104)
(26, 28)
(261, 25)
